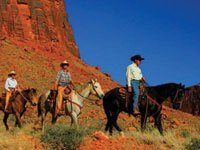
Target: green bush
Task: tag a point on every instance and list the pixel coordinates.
(193, 145)
(63, 137)
(185, 134)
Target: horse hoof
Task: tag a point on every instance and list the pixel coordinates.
(121, 134)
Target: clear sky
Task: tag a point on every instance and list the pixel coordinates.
(165, 32)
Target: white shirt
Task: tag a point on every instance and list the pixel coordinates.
(133, 73)
(10, 83)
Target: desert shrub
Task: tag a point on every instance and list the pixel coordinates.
(63, 137)
(193, 145)
(185, 133)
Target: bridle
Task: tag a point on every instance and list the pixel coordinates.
(156, 103)
(88, 97)
(26, 99)
(80, 107)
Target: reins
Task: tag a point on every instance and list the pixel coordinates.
(87, 97)
(23, 96)
(72, 102)
(75, 103)
(156, 103)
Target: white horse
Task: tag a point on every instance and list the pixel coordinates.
(73, 106)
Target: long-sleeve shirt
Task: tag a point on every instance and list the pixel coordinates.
(63, 78)
(10, 83)
(133, 73)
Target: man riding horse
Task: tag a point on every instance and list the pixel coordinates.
(134, 78)
(63, 82)
(10, 87)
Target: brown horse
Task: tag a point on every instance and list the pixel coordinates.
(190, 102)
(17, 106)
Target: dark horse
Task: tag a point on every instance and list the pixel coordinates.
(150, 104)
(17, 106)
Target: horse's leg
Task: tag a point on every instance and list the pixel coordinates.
(6, 115)
(112, 121)
(17, 116)
(108, 115)
(108, 124)
(115, 117)
(42, 120)
(16, 123)
(74, 119)
(54, 119)
(158, 122)
(143, 121)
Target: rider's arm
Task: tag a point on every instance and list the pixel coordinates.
(57, 80)
(143, 79)
(7, 85)
(128, 79)
(128, 76)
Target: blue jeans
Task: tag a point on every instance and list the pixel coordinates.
(136, 92)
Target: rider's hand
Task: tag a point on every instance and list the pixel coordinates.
(130, 89)
(143, 80)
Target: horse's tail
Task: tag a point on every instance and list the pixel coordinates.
(106, 108)
(41, 103)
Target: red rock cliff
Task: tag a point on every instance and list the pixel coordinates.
(40, 23)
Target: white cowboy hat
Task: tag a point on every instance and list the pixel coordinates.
(64, 63)
(12, 73)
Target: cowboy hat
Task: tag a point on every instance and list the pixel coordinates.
(64, 63)
(136, 57)
(12, 73)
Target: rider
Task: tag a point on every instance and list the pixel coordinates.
(63, 81)
(134, 78)
(10, 86)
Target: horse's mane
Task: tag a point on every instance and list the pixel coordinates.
(28, 90)
(164, 85)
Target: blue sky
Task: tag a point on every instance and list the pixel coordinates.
(166, 33)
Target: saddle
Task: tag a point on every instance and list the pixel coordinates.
(12, 97)
(67, 93)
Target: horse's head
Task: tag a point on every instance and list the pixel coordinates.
(96, 89)
(32, 96)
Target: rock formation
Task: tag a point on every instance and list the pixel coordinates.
(41, 23)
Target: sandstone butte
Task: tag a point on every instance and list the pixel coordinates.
(41, 24)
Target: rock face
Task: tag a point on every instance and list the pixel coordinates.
(42, 23)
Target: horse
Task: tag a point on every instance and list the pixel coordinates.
(17, 106)
(190, 102)
(150, 104)
(73, 106)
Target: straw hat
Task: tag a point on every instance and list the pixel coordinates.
(12, 73)
(64, 63)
